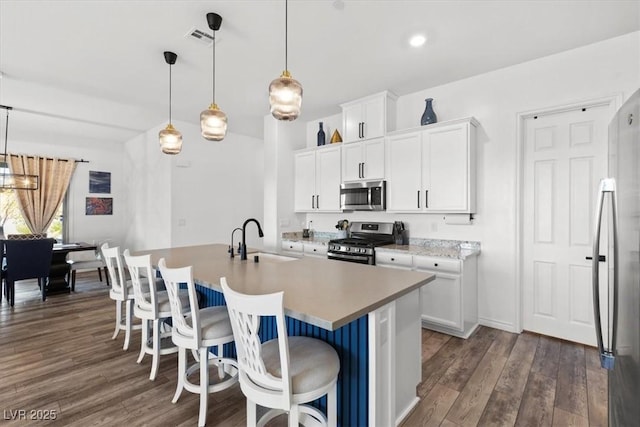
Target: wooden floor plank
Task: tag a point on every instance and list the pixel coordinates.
(547, 357)
(536, 408)
(571, 393)
(434, 407)
(563, 418)
(468, 408)
(597, 397)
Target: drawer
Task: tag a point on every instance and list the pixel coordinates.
(394, 259)
(444, 265)
(317, 250)
(290, 246)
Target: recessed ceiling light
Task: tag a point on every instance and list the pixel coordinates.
(417, 40)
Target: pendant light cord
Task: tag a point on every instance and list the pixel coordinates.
(213, 65)
(286, 20)
(169, 93)
(6, 138)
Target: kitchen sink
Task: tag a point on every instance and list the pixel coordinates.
(269, 257)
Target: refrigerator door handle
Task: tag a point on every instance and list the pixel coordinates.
(607, 357)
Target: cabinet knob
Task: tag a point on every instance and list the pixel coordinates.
(290, 247)
(435, 264)
(393, 259)
(314, 250)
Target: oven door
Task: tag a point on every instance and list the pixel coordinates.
(360, 259)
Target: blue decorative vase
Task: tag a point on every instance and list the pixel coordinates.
(321, 136)
(429, 116)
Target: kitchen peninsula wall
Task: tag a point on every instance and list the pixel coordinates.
(596, 71)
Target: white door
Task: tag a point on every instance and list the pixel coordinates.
(445, 168)
(352, 117)
(328, 179)
(352, 161)
(373, 167)
(404, 179)
(374, 118)
(305, 181)
(565, 155)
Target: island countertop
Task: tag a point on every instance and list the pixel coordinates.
(322, 292)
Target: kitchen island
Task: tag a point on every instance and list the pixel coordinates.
(371, 315)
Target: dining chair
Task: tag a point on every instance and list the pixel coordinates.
(121, 292)
(152, 306)
(88, 264)
(27, 259)
(284, 373)
(197, 330)
(33, 236)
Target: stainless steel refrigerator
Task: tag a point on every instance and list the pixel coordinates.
(617, 298)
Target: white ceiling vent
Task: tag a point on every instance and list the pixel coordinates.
(199, 36)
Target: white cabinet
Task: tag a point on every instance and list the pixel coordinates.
(317, 250)
(369, 117)
(404, 172)
(363, 160)
(394, 260)
(432, 170)
(317, 180)
(290, 247)
(450, 302)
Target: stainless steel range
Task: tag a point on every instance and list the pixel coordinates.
(360, 245)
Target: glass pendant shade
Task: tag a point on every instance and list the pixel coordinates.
(170, 140)
(213, 123)
(285, 97)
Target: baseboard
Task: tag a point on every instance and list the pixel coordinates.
(496, 324)
(407, 411)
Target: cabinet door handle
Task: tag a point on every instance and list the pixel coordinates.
(418, 199)
(313, 202)
(363, 169)
(363, 129)
(317, 201)
(426, 198)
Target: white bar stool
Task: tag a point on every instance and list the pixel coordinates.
(152, 307)
(121, 292)
(197, 330)
(282, 373)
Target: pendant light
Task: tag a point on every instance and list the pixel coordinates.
(213, 121)
(8, 180)
(285, 92)
(170, 137)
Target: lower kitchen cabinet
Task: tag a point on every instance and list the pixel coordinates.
(298, 249)
(450, 302)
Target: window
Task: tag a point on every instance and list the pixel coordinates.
(11, 220)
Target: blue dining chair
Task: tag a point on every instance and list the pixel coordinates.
(27, 259)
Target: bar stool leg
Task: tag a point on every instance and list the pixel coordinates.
(118, 319)
(204, 385)
(332, 406)
(182, 370)
(127, 324)
(144, 340)
(156, 349)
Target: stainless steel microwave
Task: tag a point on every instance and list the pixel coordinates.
(363, 196)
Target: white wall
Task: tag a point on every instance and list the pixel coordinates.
(101, 157)
(196, 197)
(281, 139)
(495, 99)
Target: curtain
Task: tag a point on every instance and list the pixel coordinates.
(39, 206)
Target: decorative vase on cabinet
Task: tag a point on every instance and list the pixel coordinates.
(429, 116)
(321, 136)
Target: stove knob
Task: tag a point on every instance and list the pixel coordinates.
(347, 249)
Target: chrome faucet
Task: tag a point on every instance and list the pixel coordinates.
(243, 251)
(231, 247)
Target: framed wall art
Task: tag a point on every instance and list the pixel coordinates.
(99, 182)
(99, 206)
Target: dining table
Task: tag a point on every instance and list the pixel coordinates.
(59, 273)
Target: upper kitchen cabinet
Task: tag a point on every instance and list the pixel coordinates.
(317, 180)
(370, 117)
(363, 160)
(433, 169)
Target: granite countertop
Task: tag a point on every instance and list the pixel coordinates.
(318, 291)
(458, 249)
(321, 238)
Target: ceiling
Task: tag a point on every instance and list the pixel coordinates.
(92, 71)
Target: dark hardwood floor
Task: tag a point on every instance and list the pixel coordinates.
(57, 359)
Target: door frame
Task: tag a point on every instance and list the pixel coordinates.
(613, 102)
